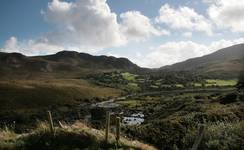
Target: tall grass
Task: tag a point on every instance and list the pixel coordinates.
(75, 136)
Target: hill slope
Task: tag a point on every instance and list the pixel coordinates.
(26, 101)
(224, 63)
(61, 64)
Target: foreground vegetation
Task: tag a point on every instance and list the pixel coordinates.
(172, 121)
(74, 137)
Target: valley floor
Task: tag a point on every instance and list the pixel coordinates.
(170, 118)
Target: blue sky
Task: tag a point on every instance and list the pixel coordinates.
(151, 33)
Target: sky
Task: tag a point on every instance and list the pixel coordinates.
(151, 33)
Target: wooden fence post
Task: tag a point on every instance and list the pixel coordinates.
(107, 126)
(50, 119)
(117, 128)
(199, 138)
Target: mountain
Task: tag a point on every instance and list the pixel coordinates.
(64, 63)
(224, 63)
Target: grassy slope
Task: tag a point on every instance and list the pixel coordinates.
(76, 136)
(25, 101)
(42, 93)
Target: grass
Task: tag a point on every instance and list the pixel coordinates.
(33, 93)
(130, 103)
(138, 103)
(218, 82)
(128, 76)
(132, 87)
(197, 84)
(25, 101)
(179, 85)
(75, 136)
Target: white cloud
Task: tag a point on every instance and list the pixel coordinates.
(184, 18)
(227, 13)
(11, 45)
(84, 23)
(30, 47)
(208, 1)
(87, 26)
(90, 24)
(58, 10)
(216, 45)
(187, 34)
(173, 52)
(136, 26)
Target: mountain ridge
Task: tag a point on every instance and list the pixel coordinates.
(67, 62)
(224, 63)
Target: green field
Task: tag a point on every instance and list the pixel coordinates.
(218, 82)
(128, 76)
